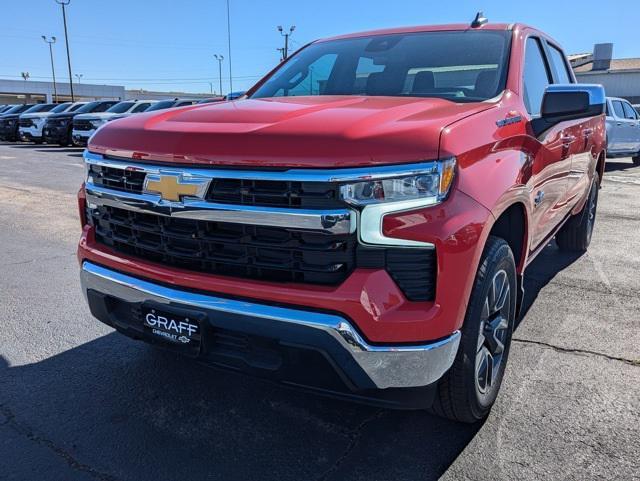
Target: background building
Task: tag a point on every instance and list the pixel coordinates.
(31, 91)
(620, 77)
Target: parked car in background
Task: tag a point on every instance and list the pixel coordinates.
(623, 130)
(9, 121)
(30, 124)
(211, 100)
(360, 222)
(84, 125)
(58, 127)
(4, 108)
(167, 104)
(234, 95)
(637, 107)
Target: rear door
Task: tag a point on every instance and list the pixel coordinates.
(632, 127)
(551, 163)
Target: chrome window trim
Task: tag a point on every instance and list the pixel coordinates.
(386, 365)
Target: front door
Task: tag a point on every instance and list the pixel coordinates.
(552, 159)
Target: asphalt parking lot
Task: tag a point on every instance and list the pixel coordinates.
(78, 401)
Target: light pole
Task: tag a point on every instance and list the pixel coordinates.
(51, 41)
(79, 77)
(219, 58)
(286, 35)
(229, 48)
(64, 3)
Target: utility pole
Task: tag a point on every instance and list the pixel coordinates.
(219, 58)
(79, 77)
(281, 50)
(51, 41)
(229, 48)
(286, 35)
(25, 76)
(64, 3)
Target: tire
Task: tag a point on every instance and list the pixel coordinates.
(575, 235)
(636, 160)
(469, 389)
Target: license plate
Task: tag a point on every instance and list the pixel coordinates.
(179, 329)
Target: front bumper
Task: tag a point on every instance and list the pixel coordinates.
(112, 296)
(9, 132)
(81, 137)
(55, 134)
(30, 133)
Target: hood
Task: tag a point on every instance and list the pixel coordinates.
(9, 116)
(96, 116)
(319, 131)
(36, 115)
(63, 115)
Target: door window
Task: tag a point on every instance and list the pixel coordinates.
(629, 112)
(140, 108)
(618, 109)
(560, 66)
(536, 76)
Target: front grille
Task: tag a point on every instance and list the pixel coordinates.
(25, 123)
(255, 252)
(83, 125)
(305, 195)
(124, 180)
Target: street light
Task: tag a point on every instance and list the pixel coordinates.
(64, 3)
(286, 35)
(79, 77)
(51, 41)
(229, 48)
(219, 58)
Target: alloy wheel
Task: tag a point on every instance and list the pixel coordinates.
(493, 333)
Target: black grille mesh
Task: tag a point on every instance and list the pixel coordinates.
(240, 250)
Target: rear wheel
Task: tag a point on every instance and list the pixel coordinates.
(636, 159)
(468, 390)
(575, 235)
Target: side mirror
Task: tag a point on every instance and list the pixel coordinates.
(563, 102)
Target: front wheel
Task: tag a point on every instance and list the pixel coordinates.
(468, 390)
(575, 235)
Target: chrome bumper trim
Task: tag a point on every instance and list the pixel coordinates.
(338, 221)
(386, 366)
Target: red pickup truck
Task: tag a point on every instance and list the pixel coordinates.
(358, 224)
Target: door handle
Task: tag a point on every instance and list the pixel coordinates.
(619, 124)
(567, 139)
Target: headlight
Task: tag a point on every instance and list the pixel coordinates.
(430, 185)
(387, 194)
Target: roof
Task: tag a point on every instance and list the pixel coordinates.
(616, 66)
(424, 28)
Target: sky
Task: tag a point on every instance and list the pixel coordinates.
(169, 44)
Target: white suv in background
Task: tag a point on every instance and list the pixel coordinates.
(30, 125)
(84, 125)
(623, 130)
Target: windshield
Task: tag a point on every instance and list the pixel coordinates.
(76, 107)
(87, 107)
(18, 109)
(61, 108)
(120, 108)
(39, 108)
(164, 104)
(462, 66)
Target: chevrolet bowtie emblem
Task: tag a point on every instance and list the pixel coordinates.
(174, 187)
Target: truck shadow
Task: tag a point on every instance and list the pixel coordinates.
(124, 410)
(619, 164)
(541, 271)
